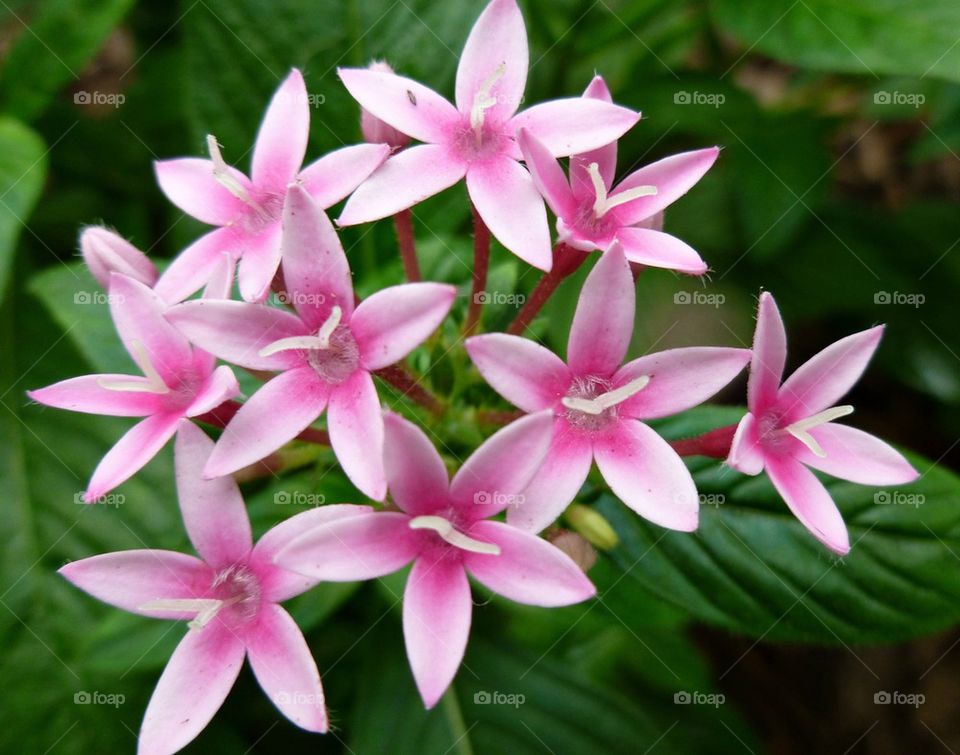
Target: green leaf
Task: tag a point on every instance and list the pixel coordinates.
(23, 167)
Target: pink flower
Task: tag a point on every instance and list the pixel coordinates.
(177, 381)
(791, 427)
(444, 528)
(106, 252)
(231, 596)
(476, 138)
(598, 404)
(592, 215)
(248, 209)
(324, 353)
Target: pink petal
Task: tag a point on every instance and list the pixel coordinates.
(679, 379)
(657, 249)
(130, 579)
(405, 104)
(213, 511)
(188, 182)
(193, 686)
(131, 453)
(857, 456)
(259, 262)
(437, 608)
(365, 546)
(271, 417)
(106, 252)
(824, 379)
(406, 179)
(576, 124)
(497, 39)
(282, 138)
(416, 475)
(526, 374)
(810, 502)
(392, 322)
(85, 394)
(283, 665)
(769, 356)
(746, 453)
(512, 208)
(528, 569)
(337, 173)
(221, 386)
(645, 473)
(355, 424)
(547, 175)
(192, 269)
(605, 157)
(603, 323)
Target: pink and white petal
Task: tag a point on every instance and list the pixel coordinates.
(87, 394)
(271, 417)
(605, 157)
(658, 249)
(189, 183)
(259, 262)
(645, 473)
(509, 203)
(392, 322)
(131, 453)
(286, 670)
(679, 378)
(213, 511)
(405, 179)
(810, 502)
(131, 579)
(547, 175)
(826, 377)
(337, 173)
(107, 252)
(437, 609)
(355, 424)
(236, 331)
(673, 176)
(495, 474)
(496, 50)
(403, 103)
(526, 374)
(221, 386)
(193, 686)
(359, 547)
(528, 569)
(194, 267)
(769, 356)
(746, 453)
(603, 322)
(220, 284)
(576, 124)
(282, 138)
(860, 457)
(416, 475)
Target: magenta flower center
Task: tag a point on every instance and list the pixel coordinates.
(339, 360)
(238, 590)
(589, 387)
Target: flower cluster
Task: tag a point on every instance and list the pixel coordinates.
(318, 348)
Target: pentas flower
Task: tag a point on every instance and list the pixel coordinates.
(178, 381)
(106, 252)
(248, 210)
(598, 405)
(791, 427)
(592, 213)
(476, 139)
(325, 353)
(445, 528)
(231, 597)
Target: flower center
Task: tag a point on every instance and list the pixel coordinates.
(483, 101)
(602, 203)
(333, 352)
(450, 534)
(592, 402)
(235, 588)
(263, 209)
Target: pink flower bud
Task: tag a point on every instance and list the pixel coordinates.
(376, 131)
(105, 252)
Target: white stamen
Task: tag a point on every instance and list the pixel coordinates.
(205, 608)
(154, 382)
(329, 325)
(602, 204)
(320, 341)
(483, 101)
(599, 404)
(452, 535)
(799, 429)
(223, 176)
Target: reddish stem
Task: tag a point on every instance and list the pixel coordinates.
(481, 263)
(403, 223)
(409, 386)
(222, 415)
(714, 443)
(498, 416)
(566, 260)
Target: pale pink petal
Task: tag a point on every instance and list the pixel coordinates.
(274, 415)
(221, 386)
(131, 579)
(86, 394)
(526, 374)
(106, 252)
(603, 323)
(259, 262)
(189, 183)
(405, 104)
(193, 686)
(392, 322)
(746, 453)
(337, 173)
(407, 178)
(192, 269)
(810, 502)
(437, 609)
(605, 157)
(528, 569)
(509, 203)
(645, 473)
(220, 284)
(576, 124)
(282, 663)
(496, 50)
(547, 175)
(416, 475)
(657, 249)
(679, 379)
(355, 424)
(769, 356)
(282, 138)
(857, 456)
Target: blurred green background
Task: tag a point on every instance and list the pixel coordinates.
(837, 189)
